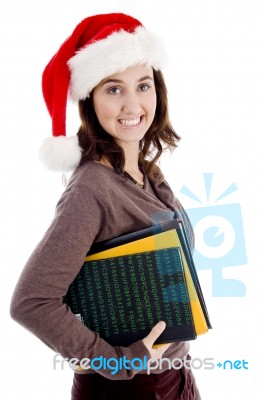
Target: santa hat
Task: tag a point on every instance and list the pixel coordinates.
(99, 46)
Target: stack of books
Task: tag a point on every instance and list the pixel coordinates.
(129, 283)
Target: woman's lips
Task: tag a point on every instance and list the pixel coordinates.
(130, 122)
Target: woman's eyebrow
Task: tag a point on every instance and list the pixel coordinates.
(144, 78)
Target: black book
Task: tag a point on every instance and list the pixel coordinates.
(122, 297)
(176, 224)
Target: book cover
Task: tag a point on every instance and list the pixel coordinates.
(123, 297)
(167, 239)
(199, 306)
(108, 295)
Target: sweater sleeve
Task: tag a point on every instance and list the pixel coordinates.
(37, 300)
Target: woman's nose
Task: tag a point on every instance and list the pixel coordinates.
(131, 104)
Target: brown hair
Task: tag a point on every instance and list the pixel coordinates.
(97, 143)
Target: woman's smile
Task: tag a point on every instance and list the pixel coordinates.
(133, 122)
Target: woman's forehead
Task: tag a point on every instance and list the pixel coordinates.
(136, 73)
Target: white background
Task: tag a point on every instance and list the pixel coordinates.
(216, 87)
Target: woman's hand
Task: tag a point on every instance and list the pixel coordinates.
(149, 340)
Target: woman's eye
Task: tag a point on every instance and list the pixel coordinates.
(114, 90)
(144, 87)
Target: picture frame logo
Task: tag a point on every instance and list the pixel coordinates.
(220, 240)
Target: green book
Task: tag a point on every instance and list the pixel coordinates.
(129, 283)
(122, 298)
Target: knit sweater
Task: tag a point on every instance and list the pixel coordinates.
(98, 204)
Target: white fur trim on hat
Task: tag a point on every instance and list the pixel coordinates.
(113, 54)
(60, 153)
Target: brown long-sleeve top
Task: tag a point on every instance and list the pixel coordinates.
(98, 204)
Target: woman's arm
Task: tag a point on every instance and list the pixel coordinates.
(37, 300)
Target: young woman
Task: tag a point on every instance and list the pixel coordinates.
(111, 65)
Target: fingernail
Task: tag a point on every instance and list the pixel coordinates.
(161, 324)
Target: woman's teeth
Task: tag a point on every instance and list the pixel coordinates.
(130, 122)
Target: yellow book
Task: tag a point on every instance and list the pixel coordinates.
(160, 241)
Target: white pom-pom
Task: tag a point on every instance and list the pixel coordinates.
(62, 154)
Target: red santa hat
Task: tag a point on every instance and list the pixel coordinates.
(99, 46)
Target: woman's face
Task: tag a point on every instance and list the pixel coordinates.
(125, 103)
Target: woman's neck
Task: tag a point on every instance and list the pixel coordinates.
(131, 153)
(131, 165)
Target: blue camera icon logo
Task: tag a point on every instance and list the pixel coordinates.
(219, 236)
(219, 239)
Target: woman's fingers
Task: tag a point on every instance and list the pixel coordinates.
(152, 337)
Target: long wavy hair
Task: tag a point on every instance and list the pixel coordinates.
(97, 143)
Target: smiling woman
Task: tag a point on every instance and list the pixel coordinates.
(134, 105)
(129, 113)
(112, 66)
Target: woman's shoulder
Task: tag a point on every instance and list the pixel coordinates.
(92, 174)
(88, 183)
